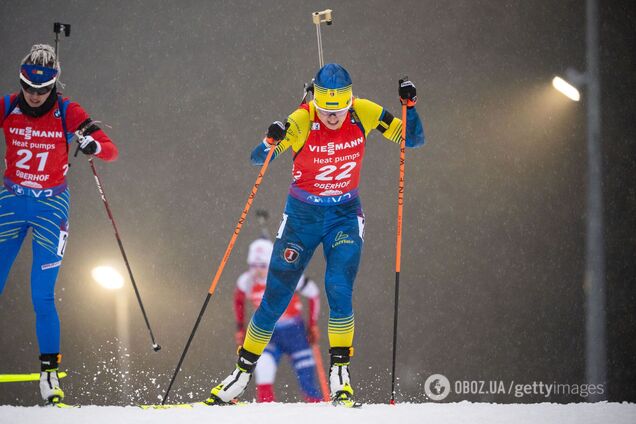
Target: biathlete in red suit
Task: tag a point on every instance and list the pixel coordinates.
(38, 124)
(290, 337)
(328, 139)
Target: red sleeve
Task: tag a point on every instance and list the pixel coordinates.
(75, 115)
(314, 310)
(239, 308)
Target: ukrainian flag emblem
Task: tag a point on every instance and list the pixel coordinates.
(332, 99)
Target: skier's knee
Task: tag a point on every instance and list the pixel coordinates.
(43, 304)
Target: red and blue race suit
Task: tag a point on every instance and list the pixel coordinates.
(289, 337)
(35, 196)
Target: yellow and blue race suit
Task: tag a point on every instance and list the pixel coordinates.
(323, 207)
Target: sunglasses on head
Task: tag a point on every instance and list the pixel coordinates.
(39, 91)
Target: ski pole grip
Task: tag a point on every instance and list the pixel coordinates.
(403, 101)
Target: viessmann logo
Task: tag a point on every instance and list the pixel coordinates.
(331, 147)
(29, 133)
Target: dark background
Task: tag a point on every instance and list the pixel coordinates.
(492, 270)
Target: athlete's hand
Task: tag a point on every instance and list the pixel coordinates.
(408, 93)
(313, 334)
(88, 145)
(276, 132)
(239, 336)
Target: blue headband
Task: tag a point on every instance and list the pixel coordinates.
(37, 76)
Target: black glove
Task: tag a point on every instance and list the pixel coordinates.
(277, 132)
(88, 145)
(408, 93)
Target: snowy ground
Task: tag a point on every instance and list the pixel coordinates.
(447, 413)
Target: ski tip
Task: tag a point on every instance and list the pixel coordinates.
(191, 405)
(57, 403)
(167, 406)
(21, 378)
(346, 403)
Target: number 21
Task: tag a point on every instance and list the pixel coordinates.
(27, 155)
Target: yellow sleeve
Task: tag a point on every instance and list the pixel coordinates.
(297, 132)
(373, 116)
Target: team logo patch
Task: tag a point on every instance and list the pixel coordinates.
(290, 255)
(292, 252)
(342, 238)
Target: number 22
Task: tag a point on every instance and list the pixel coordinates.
(327, 170)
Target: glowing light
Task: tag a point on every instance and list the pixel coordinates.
(566, 88)
(108, 277)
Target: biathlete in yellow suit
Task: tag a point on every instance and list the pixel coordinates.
(328, 138)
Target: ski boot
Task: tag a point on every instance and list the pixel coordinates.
(235, 384)
(339, 378)
(49, 381)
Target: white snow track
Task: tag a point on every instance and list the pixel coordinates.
(277, 413)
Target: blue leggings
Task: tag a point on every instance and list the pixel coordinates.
(340, 230)
(48, 218)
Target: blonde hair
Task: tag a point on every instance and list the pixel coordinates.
(43, 55)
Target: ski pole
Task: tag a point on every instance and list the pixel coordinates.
(224, 260)
(84, 126)
(320, 369)
(398, 246)
(100, 188)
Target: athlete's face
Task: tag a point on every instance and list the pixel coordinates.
(332, 120)
(34, 99)
(259, 271)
